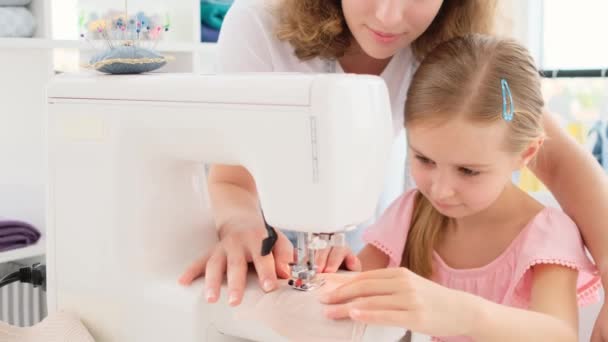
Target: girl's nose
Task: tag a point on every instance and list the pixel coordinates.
(442, 188)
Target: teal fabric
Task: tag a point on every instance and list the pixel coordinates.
(129, 52)
(213, 12)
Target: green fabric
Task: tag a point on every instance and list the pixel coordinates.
(213, 12)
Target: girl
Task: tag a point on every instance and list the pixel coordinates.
(511, 269)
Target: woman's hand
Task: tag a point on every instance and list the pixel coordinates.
(600, 329)
(329, 260)
(399, 297)
(239, 245)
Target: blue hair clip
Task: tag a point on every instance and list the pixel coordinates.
(506, 91)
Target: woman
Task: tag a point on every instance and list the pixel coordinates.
(380, 37)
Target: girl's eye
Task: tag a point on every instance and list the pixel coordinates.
(468, 172)
(424, 160)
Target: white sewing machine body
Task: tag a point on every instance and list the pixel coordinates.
(127, 206)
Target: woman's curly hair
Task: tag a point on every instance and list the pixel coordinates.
(317, 28)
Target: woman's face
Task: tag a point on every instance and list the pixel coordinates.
(382, 27)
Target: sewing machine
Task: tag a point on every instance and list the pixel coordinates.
(127, 205)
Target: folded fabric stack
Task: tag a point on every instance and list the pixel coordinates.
(212, 16)
(16, 234)
(16, 21)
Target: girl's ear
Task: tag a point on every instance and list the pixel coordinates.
(530, 152)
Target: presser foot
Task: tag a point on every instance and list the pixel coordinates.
(304, 277)
(300, 285)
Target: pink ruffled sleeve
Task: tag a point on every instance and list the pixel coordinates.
(555, 239)
(389, 232)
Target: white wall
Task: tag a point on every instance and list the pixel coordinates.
(22, 97)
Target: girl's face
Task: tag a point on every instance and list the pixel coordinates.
(381, 27)
(462, 167)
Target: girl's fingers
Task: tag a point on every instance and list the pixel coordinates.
(384, 273)
(342, 311)
(384, 317)
(360, 288)
(336, 278)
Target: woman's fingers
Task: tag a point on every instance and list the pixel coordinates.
(353, 263)
(236, 275)
(329, 260)
(336, 257)
(266, 270)
(231, 256)
(194, 271)
(283, 255)
(321, 259)
(214, 274)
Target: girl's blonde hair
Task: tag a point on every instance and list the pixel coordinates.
(461, 78)
(317, 28)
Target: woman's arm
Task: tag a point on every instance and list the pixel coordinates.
(580, 186)
(553, 314)
(372, 258)
(243, 46)
(233, 196)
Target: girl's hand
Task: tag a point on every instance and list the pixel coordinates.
(329, 260)
(399, 297)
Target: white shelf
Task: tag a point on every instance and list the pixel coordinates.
(41, 43)
(23, 253)
(26, 43)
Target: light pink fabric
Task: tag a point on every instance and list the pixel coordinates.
(550, 238)
(298, 316)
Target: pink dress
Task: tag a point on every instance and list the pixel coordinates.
(551, 237)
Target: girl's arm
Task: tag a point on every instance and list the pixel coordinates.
(553, 314)
(399, 297)
(580, 186)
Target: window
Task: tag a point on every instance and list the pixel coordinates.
(573, 34)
